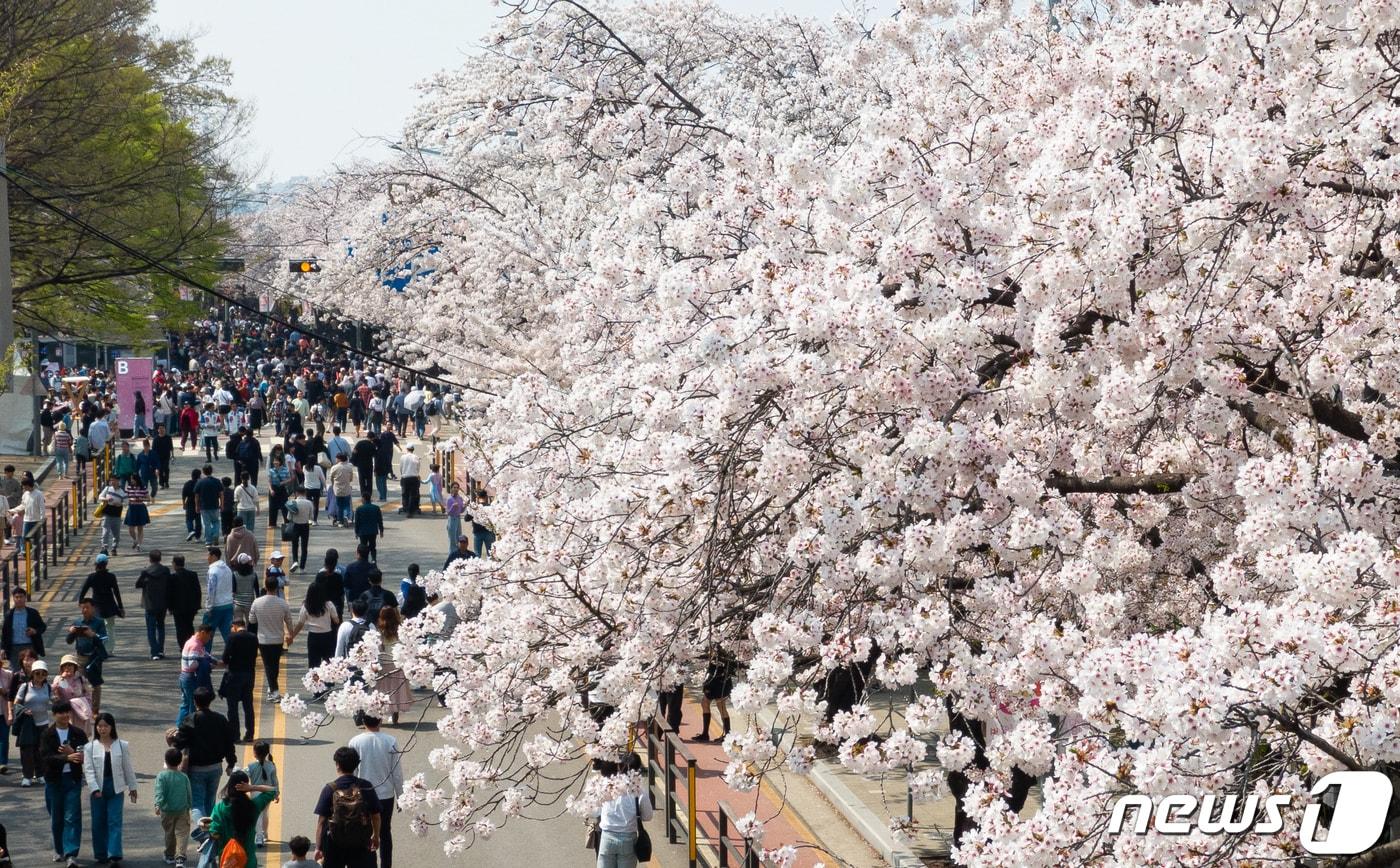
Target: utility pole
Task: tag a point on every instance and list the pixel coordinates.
(7, 291)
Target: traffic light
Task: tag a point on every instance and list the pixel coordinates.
(303, 266)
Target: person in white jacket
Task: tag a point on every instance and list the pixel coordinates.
(108, 774)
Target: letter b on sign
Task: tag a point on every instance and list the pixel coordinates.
(121, 366)
(1358, 819)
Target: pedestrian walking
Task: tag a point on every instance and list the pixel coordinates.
(391, 681)
(380, 765)
(299, 518)
(154, 585)
(277, 573)
(236, 687)
(23, 628)
(262, 771)
(347, 817)
(88, 636)
(190, 501)
(61, 757)
(410, 483)
(369, 526)
(272, 618)
(241, 541)
(278, 488)
(62, 449)
(245, 502)
(189, 428)
(164, 448)
(719, 681)
(209, 425)
(206, 738)
(299, 847)
(234, 821)
(246, 586)
(618, 823)
(435, 488)
(31, 506)
(32, 713)
(209, 497)
(137, 514)
(218, 589)
(110, 505)
(320, 620)
(9, 687)
(174, 798)
(148, 468)
(313, 479)
(342, 482)
(195, 663)
(110, 776)
(186, 597)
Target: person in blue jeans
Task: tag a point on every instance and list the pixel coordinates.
(218, 593)
(194, 658)
(209, 496)
(61, 757)
(109, 777)
(208, 739)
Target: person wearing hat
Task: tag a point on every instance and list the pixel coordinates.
(31, 713)
(410, 482)
(276, 571)
(72, 686)
(462, 552)
(245, 584)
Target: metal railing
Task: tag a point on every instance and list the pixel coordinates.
(664, 748)
(101, 470)
(10, 575)
(58, 521)
(79, 511)
(736, 852)
(36, 557)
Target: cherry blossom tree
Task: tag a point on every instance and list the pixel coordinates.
(1049, 371)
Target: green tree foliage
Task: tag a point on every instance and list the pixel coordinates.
(130, 131)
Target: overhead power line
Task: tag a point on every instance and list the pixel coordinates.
(64, 214)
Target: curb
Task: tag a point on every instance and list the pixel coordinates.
(863, 820)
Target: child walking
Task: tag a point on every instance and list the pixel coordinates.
(435, 488)
(300, 846)
(174, 798)
(263, 771)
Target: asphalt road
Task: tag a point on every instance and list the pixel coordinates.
(144, 697)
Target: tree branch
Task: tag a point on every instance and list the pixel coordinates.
(1152, 483)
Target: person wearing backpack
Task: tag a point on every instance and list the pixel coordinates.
(353, 630)
(347, 817)
(234, 821)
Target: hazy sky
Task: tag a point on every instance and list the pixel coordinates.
(328, 77)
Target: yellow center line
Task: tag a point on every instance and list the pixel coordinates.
(272, 856)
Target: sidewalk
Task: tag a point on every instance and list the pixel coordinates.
(787, 804)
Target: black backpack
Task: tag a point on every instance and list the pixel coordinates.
(357, 632)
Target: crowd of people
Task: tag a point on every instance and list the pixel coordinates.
(340, 430)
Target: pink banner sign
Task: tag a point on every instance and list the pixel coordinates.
(133, 375)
